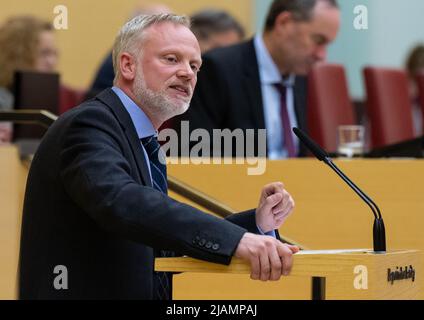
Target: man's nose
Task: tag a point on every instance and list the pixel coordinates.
(185, 71)
(321, 53)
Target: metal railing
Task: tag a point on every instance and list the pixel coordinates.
(43, 118)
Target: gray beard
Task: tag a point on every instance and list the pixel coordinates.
(157, 103)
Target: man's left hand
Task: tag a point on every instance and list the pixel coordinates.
(275, 206)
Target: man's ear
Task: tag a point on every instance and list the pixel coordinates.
(283, 20)
(127, 66)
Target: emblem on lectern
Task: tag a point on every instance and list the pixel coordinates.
(401, 273)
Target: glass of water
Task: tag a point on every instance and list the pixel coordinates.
(351, 141)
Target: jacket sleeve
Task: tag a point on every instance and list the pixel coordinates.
(98, 178)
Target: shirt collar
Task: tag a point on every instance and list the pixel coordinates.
(142, 123)
(268, 70)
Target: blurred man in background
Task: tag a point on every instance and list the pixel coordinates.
(215, 29)
(261, 84)
(414, 67)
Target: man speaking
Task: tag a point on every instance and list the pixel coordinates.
(96, 199)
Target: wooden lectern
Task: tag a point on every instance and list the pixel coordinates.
(342, 274)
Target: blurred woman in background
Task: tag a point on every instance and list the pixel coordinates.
(27, 43)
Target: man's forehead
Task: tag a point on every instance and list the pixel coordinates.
(169, 30)
(325, 21)
(172, 36)
(324, 11)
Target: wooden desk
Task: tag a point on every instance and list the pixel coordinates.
(328, 214)
(354, 275)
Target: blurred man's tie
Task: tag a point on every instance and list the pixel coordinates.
(285, 121)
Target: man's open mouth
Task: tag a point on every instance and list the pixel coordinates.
(181, 89)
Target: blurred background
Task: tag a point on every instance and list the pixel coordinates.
(392, 38)
(394, 29)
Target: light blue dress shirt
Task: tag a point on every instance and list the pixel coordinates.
(142, 123)
(270, 75)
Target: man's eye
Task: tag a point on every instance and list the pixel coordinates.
(194, 68)
(171, 59)
(319, 40)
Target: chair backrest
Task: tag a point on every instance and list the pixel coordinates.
(329, 104)
(420, 85)
(69, 98)
(388, 106)
(34, 90)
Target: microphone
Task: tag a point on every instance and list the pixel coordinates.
(379, 233)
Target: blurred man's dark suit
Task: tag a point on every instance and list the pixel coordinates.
(89, 206)
(228, 93)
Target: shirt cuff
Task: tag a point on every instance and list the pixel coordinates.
(271, 233)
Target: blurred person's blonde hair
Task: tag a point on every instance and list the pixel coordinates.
(19, 40)
(130, 36)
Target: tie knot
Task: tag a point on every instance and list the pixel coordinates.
(151, 144)
(281, 88)
(157, 161)
(153, 150)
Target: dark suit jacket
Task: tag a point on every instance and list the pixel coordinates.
(228, 92)
(89, 206)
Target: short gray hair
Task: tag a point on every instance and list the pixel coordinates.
(131, 34)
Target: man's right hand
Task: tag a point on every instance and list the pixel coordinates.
(269, 258)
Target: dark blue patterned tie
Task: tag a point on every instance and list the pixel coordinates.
(157, 163)
(159, 180)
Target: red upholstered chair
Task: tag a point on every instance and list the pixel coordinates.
(329, 104)
(388, 106)
(69, 98)
(420, 86)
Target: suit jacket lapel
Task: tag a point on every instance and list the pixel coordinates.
(109, 98)
(252, 85)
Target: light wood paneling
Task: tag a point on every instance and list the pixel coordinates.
(328, 214)
(12, 186)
